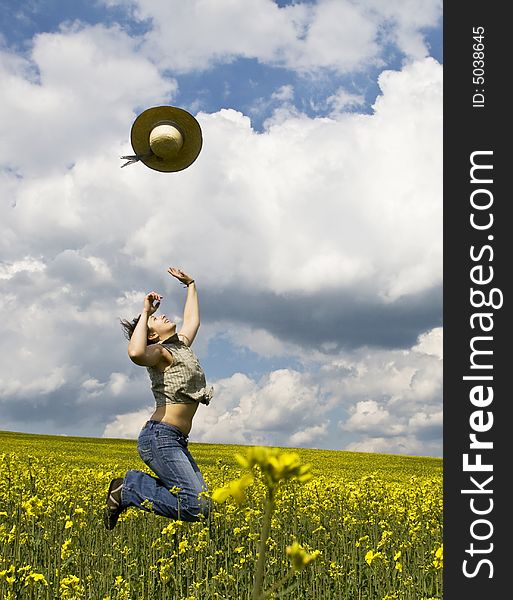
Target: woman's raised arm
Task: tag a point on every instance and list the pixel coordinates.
(191, 314)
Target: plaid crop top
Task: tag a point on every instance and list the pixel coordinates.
(183, 382)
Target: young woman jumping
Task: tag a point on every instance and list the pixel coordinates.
(178, 385)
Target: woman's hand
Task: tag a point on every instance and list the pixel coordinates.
(151, 302)
(180, 275)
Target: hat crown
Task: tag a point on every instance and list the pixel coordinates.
(165, 141)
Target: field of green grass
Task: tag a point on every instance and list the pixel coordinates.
(375, 520)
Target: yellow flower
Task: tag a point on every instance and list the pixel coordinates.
(371, 556)
(32, 507)
(299, 557)
(438, 561)
(335, 570)
(70, 588)
(8, 575)
(384, 538)
(122, 588)
(235, 489)
(147, 504)
(35, 578)
(65, 551)
(172, 528)
(165, 569)
(275, 465)
(12, 534)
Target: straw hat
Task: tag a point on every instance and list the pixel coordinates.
(165, 138)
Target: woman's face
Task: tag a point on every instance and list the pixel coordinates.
(161, 326)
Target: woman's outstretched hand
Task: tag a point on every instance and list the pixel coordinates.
(180, 275)
(151, 302)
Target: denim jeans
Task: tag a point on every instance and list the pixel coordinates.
(164, 449)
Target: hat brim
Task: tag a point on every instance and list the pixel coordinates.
(183, 121)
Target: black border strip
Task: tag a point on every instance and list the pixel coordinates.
(471, 125)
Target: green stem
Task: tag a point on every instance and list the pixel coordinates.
(266, 527)
(279, 584)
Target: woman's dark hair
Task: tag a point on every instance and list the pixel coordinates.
(129, 326)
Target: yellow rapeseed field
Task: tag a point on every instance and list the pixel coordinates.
(340, 525)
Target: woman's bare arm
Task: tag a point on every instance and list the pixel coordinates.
(138, 350)
(191, 313)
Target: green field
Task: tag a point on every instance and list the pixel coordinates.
(375, 519)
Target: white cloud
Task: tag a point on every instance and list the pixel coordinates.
(421, 421)
(72, 96)
(283, 407)
(310, 436)
(393, 401)
(13, 387)
(334, 34)
(284, 94)
(408, 445)
(118, 383)
(367, 416)
(92, 386)
(342, 100)
(194, 35)
(340, 35)
(403, 21)
(431, 342)
(127, 425)
(28, 264)
(363, 209)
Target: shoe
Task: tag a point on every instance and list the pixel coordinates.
(113, 504)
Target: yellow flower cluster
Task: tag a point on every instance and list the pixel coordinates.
(438, 561)
(275, 465)
(299, 557)
(235, 489)
(377, 519)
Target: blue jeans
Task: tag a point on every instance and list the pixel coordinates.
(164, 449)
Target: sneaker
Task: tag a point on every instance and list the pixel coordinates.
(113, 504)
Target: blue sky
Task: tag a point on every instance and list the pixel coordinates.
(311, 219)
(238, 83)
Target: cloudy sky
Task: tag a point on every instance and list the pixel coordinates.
(311, 220)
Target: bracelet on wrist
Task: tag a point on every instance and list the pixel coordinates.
(188, 284)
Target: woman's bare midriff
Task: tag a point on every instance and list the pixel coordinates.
(179, 415)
